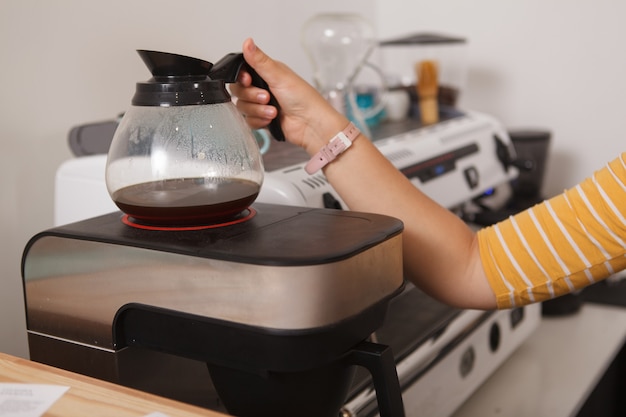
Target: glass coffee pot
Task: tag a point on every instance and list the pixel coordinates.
(182, 154)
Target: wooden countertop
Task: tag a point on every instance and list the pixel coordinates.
(92, 397)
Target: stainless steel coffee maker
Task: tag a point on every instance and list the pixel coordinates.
(204, 295)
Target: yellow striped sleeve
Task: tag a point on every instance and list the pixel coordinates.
(560, 245)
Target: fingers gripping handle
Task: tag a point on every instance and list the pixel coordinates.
(274, 126)
(228, 68)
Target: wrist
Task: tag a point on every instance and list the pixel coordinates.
(337, 145)
(323, 128)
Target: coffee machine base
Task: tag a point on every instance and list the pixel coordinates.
(132, 367)
(279, 324)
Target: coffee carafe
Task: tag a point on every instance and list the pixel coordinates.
(182, 154)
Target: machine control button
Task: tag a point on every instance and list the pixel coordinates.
(517, 315)
(331, 202)
(467, 361)
(471, 176)
(494, 337)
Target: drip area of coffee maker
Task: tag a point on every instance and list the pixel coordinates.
(266, 316)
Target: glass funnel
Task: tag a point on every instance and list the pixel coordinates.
(339, 45)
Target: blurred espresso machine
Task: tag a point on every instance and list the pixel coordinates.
(465, 161)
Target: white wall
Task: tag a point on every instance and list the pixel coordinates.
(552, 64)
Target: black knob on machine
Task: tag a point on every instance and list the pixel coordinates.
(506, 155)
(525, 165)
(331, 202)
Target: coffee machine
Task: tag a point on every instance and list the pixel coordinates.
(443, 354)
(278, 305)
(204, 295)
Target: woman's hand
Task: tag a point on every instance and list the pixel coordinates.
(306, 118)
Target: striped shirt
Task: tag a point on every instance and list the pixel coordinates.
(560, 245)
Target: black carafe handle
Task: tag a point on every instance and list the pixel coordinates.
(274, 126)
(379, 361)
(228, 69)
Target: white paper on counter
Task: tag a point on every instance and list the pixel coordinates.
(28, 400)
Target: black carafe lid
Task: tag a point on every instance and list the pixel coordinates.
(179, 80)
(163, 64)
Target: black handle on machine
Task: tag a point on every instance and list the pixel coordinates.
(507, 160)
(378, 360)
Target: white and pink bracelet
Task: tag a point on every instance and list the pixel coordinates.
(337, 145)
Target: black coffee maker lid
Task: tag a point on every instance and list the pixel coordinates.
(179, 80)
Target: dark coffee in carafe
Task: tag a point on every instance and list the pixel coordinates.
(185, 201)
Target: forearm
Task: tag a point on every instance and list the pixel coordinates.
(440, 251)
